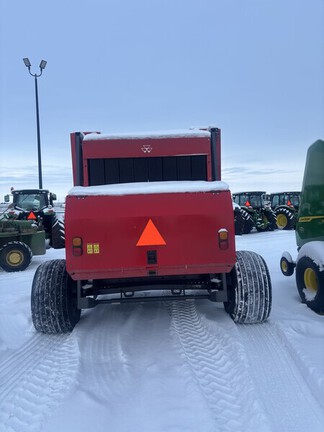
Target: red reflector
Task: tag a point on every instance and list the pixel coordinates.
(223, 245)
(31, 216)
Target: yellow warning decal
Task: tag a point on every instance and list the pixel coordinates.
(93, 248)
(150, 236)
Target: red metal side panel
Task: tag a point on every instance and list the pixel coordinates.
(111, 227)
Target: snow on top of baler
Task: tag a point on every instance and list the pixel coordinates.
(191, 133)
(150, 188)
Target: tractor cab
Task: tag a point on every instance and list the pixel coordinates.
(254, 200)
(33, 199)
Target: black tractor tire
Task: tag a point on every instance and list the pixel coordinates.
(250, 292)
(15, 256)
(272, 218)
(285, 219)
(58, 234)
(287, 267)
(248, 222)
(54, 299)
(310, 284)
(269, 221)
(238, 222)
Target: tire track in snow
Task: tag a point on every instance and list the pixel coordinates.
(284, 391)
(130, 359)
(104, 360)
(34, 379)
(119, 348)
(215, 362)
(315, 383)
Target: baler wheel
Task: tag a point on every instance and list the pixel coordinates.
(250, 294)
(54, 299)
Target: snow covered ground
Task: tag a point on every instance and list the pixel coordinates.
(164, 366)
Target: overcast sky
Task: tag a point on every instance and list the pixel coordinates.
(253, 68)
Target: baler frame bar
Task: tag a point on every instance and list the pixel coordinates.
(88, 298)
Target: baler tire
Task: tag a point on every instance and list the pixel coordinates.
(15, 256)
(310, 284)
(58, 234)
(250, 293)
(54, 299)
(285, 219)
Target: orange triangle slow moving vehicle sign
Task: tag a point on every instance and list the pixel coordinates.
(150, 236)
(31, 216)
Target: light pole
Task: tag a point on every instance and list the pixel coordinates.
(42, 66)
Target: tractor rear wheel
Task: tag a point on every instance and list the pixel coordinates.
(238, 222)
(285, 219)
(272, 218)
(248, 222)
(58, 234)
(54, 299)
(310, 284)
(250, 294)
(15, 256)
(267, 221)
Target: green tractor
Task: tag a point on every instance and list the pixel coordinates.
(255, 212)
(37, 205)
(19, 241)
(309, 264)
(285, 205)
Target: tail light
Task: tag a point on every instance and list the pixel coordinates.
(77, 246)
(223, 239)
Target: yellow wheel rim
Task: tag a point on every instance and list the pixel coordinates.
(284, 266)
(310, 280)
(15, 258)
(281, 221)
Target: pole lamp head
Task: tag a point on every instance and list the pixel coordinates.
(27, 62)
(43, 64)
